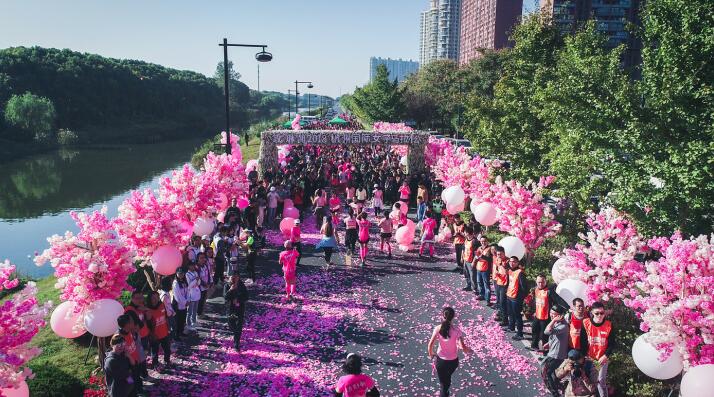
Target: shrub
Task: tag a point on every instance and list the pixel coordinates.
(31, 113)
(67, 137)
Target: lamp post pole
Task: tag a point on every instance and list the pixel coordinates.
(309, 85)
(261, 56)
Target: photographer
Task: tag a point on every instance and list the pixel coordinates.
(557, 332)
(581, 375)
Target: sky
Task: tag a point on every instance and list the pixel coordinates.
(328, 42)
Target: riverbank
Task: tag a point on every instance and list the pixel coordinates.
(60, 369)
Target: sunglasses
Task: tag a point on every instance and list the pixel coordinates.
(598, 313)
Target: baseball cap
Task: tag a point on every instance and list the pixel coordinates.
(574, 354)
(205, 237)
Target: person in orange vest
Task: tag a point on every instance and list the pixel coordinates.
(515, 293)
(137, 310)
(159, 325)
(459, 239)
(543, 301)
(597, 340)
(575, 323)
(468, 256)
(128, 329)
(500, 278)
(483, 265)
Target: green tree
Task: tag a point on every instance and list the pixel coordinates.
(31, 113)
(508, 126)
(380, 100)
(432, 95)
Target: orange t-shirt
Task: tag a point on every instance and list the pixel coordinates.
(542, 311)
(144, 331)
(158, 319)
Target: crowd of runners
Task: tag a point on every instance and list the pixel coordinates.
(351, 191)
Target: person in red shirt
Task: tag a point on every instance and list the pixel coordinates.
(544, 301)
(159, 325)
(575, 323)
(128, 329)
(137, 310)
(515, 292)
(500, 276)
(354, 383)
(459, 239)
(597, 340)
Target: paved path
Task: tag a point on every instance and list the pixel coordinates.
(385, 311)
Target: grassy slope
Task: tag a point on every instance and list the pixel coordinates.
(60, 369)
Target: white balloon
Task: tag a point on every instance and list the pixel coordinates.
(570, 289)
(455, 209)
(203, 226)
(513, 246)
(646, 358)
(101, 317)
(557, 270)
(485, 213)
(698, 381)
(403, 161)
(453, 196)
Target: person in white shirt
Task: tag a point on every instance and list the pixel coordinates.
(273, 198)
(165, 296)
(194, 296)
(179, 290)
(204, 272)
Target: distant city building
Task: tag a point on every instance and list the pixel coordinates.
(398, 69)
(439, 37)
(486, 24)
(611, 17)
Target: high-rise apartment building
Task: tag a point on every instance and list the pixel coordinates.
(398, 69)
(611, 18)
(439, 37)
(486, 24)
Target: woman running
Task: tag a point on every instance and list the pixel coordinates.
(354, 383)
(288, 260)
(450, 338)
(320, 202)
(328, 242)
(363, 224)
(351, 231)
(385, 233)
(427, 233)
(404, 193)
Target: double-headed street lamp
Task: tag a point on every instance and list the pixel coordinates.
(309, 85)
(289, 105)
(262, 56)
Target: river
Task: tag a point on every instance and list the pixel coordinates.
(37, 193)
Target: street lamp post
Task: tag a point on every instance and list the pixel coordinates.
(289, 104)
(262, 56)
(309, 85)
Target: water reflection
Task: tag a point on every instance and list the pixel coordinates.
(54, 182)
(37, 193)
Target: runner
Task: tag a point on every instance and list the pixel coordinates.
(386, 228)
(363, 224)
(351, 231)
(450, 338)
(377, 199)
(427, 235)
(288, 260)
(328, 242)
(355, 383)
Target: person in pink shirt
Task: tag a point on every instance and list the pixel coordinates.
(385, 233)
(363, 236)
(427, 233)
(335, 206)
(404, 193)
(450, 338)
(295, 239)
(288, 260)
(354, 383)
(377, 199)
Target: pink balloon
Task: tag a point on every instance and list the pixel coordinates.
(453, 210)
(404, 236)
(242, 203)
(222, 201)
(286, 225)
(65, 322)
(166, 259)
(291, 212)
(405, 248)
(251, 165)
(485, 213)
(221, 217)
(186, 227)
(287, 203)
(411, 226)
(20, 391)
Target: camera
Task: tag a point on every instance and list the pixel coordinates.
(577, 370)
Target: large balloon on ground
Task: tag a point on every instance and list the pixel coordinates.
(485, 213)
(291, 212)
(242, 203)
(101, 317)
(287, 203)
(698, 381)
(570, 289)
(513, 246)
(65, 322)
(646, 358)
(20, 391)
(286, 226)
(453, 195)
(166, 259)
(203, 226)
(557, 271)
(404, 236)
